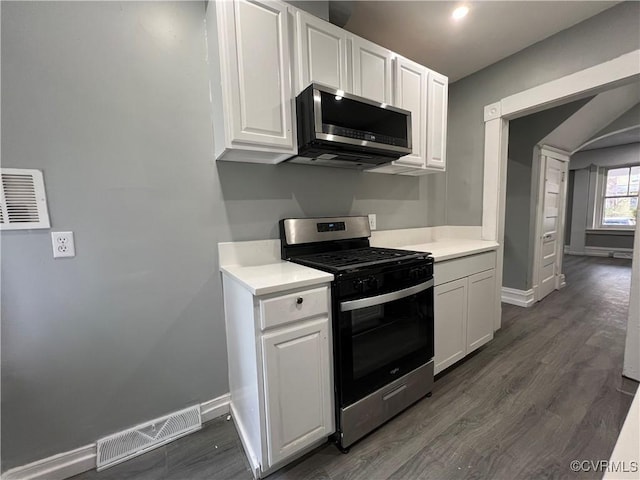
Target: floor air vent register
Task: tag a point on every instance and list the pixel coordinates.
(135, 441)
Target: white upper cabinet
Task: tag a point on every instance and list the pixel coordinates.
(321, 53)
(437, 121)
(251, 80)
(411, 94)
(372, 70)
(424, 93)
(263, 53)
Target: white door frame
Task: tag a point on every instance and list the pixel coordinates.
(619, 71)
(540, 166)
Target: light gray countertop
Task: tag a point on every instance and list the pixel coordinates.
(265, 274)
(447, 249)
(275, 277)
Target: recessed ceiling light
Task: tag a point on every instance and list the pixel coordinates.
(460, 12)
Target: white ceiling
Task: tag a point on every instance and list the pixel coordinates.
(425, 32)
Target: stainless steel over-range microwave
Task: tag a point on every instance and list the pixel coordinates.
(343, 130)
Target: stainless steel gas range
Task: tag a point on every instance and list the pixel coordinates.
(382, 306)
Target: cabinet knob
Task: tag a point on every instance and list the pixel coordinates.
(299, 300)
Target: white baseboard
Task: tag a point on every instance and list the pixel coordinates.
(215, 408)
(57, 467)
(602, 252)
(521, 298)
(562, 281)
(244, 440)
(74, 462)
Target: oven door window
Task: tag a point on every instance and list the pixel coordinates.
(382, 342)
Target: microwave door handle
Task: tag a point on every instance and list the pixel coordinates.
(384, 298)
(317, 110)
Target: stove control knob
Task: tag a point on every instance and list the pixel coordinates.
(418, 273)
(358, 285)
(299, 300)
(372, 283)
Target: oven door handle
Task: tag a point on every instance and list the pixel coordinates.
(385, 298)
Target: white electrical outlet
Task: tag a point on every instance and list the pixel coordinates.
(63, 245)
(372, 221)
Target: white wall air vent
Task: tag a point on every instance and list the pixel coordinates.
(23, 203)
(135, 441)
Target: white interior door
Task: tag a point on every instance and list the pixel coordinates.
(551, 225)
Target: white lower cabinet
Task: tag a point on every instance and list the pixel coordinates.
(450, 325)
(279, 350)
(297, 387)
(464, 307)
(482, 292)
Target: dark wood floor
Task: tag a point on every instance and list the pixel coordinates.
(547, 390)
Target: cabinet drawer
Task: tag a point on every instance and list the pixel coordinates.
(450, 270)
(295, 306)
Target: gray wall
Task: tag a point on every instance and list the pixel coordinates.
(524, 134)
(603, 37)
(319, 8)
(584, 165)
(571, 180)
(610, 241)
(111, 101)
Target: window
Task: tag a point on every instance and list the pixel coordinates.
(619, 202)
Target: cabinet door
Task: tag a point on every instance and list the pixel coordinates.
(321, 50)
(437, 121)
(298, 389)
(482, 294)
(372, 70)
(256, 73)
(411, 94)
(450, 323)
